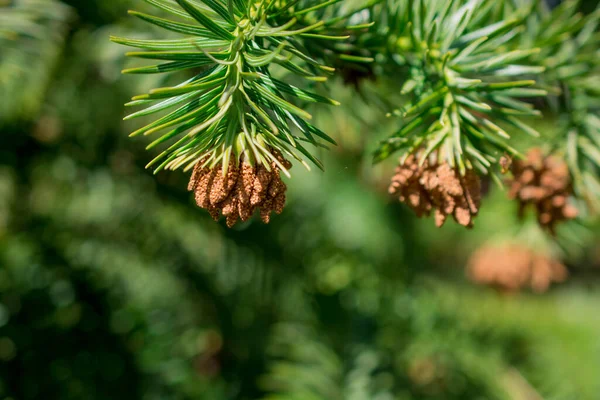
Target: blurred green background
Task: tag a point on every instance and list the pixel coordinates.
(114, 285)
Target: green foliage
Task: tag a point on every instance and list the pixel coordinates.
(570, 53)
(297, 354)
(467, 72)
(31, 36)
(114, 286)
(461, 84)
(235, 105)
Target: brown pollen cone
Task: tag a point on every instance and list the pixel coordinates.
(243, 190)
(439, 188)
(512, 268)
(545, 183)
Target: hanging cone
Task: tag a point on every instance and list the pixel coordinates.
(438, 188)
(512, 268)
(545, 183)
(243, 190)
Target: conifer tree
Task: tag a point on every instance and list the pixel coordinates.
(114, 285)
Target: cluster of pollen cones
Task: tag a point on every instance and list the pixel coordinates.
(241, 191)
(545, 183)
(439, 188)
(512, 268)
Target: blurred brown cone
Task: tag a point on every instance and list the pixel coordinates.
(243, 190)
(512, 268)
(439, 188)
(545, 183)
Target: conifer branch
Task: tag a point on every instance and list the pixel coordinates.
(234, 107)
(465, 91)
(31, 37)
(570, 54)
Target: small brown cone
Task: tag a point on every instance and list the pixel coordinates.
(512, 268)
(243, 190)
(545, 183)
(437, 187)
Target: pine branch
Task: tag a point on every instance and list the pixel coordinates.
(31, 36)
(350, 23)
(465, 89)
(235, 107)
(570, 54)
(304, 367)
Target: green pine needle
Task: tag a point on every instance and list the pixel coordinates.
(233, 104)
